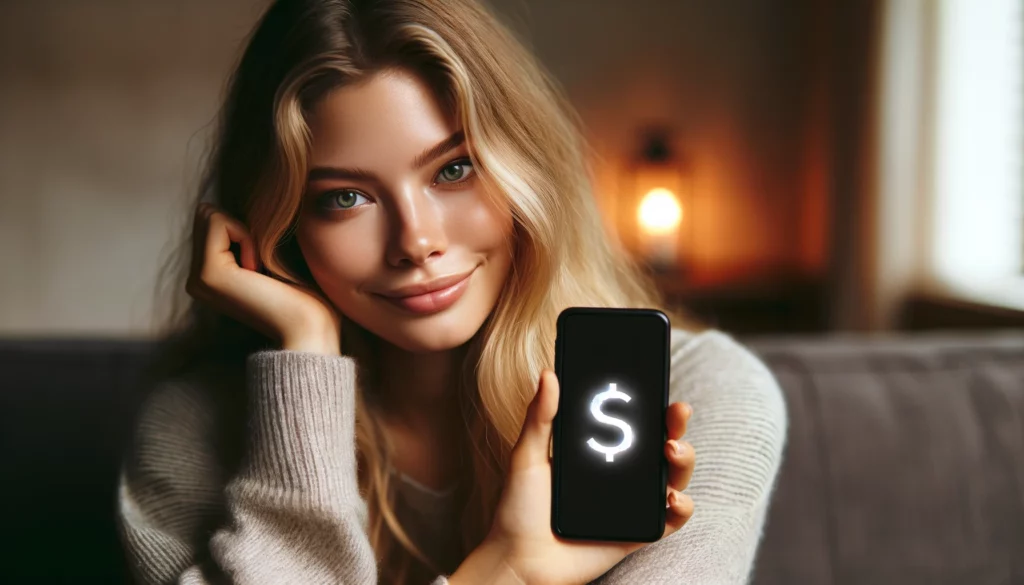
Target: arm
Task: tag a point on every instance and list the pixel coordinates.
(291, 513)
(738, 432)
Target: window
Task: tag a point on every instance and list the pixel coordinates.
(977, 166)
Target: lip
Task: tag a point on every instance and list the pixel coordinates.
(430, 297)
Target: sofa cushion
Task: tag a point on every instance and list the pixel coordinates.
(905, 461)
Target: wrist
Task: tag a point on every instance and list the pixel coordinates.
(488, 563)
(326, 343)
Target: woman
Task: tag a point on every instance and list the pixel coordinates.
(396, 210)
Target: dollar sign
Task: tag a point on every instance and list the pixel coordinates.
(627, 433)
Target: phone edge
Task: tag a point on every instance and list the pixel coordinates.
(555, 429)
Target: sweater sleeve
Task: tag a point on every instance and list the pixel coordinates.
(738, 430)
(289, 512)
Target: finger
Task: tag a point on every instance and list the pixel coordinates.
(680, 510)
(681, 458)
(239, 234)
(548, 405)
(224, 230)
(677, 418)
(532, 446)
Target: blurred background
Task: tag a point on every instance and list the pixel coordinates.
(850, 165)
(840, 184)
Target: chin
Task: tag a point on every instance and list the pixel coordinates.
(426, 337)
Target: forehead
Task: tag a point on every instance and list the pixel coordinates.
(392, 112)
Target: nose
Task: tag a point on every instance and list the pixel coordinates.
(419, 233)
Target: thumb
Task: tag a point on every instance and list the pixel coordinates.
(532, 446)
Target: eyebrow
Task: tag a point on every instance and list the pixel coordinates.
(425, 158)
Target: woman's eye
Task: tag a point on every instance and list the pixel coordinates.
(456, 172)
(341, 199)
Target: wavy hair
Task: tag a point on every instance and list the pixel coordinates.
(525, 141)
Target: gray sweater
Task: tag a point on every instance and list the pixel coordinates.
(259, 482)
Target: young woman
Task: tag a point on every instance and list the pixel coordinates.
(396, 210)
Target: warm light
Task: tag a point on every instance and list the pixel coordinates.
(660, 212)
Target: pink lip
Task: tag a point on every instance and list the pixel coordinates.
(430, 297)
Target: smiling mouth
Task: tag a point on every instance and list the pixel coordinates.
(431, 297)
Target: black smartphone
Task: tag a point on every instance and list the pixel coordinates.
(609, 470)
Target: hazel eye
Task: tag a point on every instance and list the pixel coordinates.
(456, 172)
(341, 199)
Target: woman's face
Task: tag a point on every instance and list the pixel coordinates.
(395, 224)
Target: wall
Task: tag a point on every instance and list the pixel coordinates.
(730, 77)
(104, 108)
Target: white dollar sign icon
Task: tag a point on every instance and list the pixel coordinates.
(627, 432)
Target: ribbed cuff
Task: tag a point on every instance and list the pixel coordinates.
(302, 425)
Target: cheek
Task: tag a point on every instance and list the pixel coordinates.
(339, 257)
(479, 225)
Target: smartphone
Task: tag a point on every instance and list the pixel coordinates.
(609, 470)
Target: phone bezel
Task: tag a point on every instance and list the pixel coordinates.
(556, 426)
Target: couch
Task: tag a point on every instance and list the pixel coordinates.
(904, 464)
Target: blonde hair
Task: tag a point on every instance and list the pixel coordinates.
(525, 141)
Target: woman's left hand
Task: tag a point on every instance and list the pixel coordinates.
(521, 537)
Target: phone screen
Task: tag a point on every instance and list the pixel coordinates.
(608, 462)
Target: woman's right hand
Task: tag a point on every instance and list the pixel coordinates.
(521, 548)
(300, 319)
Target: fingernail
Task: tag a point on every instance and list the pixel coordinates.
(675, 446)
(689, 410)
(673, 498)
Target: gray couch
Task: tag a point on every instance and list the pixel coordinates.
(905, 459)
(905, 462)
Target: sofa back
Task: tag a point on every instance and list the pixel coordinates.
(904, 462)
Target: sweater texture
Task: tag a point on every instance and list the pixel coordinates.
(256, 482)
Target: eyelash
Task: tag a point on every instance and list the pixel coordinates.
(464, 161)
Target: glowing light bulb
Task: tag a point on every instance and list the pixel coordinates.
(660, 212)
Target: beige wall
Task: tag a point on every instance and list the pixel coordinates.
(102, 110)
(104, 104)
(730, 76)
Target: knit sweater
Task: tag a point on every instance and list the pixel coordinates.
(258, 484)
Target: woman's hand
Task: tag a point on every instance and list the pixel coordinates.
(300, 319)
(521, 548)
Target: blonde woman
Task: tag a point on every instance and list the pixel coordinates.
(395, 212)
